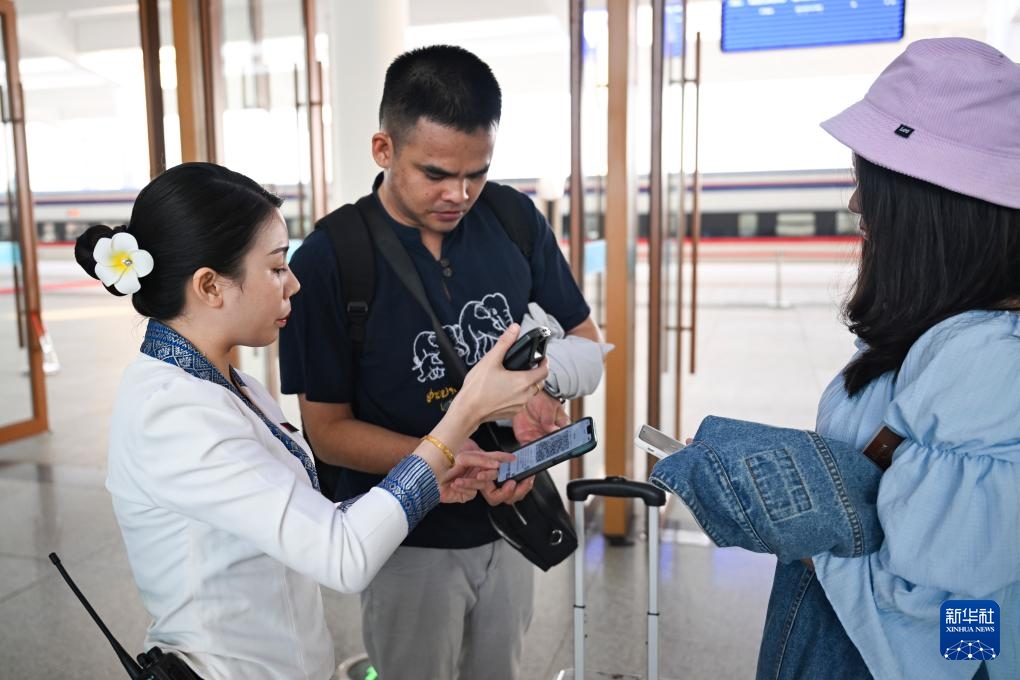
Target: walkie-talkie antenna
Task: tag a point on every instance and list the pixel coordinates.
(133, 669)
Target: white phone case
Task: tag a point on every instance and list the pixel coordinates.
(653, 441)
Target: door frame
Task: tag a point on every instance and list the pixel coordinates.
(32, 324)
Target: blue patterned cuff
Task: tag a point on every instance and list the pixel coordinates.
(346, 505)
(414, 486)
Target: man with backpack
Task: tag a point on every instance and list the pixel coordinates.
(361, 352)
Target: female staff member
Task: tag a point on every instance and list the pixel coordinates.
(936, 144)
(215, 493)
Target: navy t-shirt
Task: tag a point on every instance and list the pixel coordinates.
(400, 382)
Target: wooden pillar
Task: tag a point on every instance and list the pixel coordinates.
(148, 19)
(621, 188)
(199, 90)
(316, 133)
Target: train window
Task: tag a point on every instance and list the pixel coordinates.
(747, 224)
(719, 224)
(847, 222)
(825, 223)
(795, 224)
(73, 230)
(48, 232)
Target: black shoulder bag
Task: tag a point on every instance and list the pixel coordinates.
(538, 525)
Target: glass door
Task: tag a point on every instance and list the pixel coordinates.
(22, 337)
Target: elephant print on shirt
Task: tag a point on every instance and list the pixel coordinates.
(481, 323)
(427, 363)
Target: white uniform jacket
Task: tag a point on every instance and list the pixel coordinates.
(227, 539)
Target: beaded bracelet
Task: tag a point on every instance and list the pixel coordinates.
(442, 447)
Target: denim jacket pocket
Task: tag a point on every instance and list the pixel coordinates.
(779, 490)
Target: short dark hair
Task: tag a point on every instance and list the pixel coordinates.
(193, 215)
(442, 83)
(928, 254)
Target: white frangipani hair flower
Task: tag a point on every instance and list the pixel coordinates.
(120, 262)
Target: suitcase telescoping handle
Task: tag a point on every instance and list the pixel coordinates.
(617, 487)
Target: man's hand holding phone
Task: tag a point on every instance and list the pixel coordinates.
(510, 492)
(540, 416)
(543, 413)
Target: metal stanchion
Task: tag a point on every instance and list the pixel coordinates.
(780, 302)
(51, 363)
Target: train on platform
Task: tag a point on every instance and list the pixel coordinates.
(806, 204)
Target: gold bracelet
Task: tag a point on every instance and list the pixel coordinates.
(442, 447)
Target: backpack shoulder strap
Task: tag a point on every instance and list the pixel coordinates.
(355, 255)
(400, 261)
(508, 205)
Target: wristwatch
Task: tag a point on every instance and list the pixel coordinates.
(552, 393)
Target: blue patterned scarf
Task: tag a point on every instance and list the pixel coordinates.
(166, 344)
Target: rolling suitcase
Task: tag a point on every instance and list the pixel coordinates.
(578, 491)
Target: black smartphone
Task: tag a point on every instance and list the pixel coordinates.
(569, 442)
(658, 444)
(528, 350)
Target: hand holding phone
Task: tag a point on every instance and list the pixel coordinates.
(528, 350)
(653, 441)
(569, 442)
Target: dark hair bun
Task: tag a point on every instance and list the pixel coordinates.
(86, 244)
(194, 215)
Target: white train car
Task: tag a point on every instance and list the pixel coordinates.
(734, 205)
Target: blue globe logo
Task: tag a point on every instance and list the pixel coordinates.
(970, 649)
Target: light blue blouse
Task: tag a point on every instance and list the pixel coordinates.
(949, 504)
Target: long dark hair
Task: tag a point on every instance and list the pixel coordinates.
(928, 254)
(193, 215)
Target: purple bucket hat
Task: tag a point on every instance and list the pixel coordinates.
(946, 111)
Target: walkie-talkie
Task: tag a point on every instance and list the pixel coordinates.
(151, 665)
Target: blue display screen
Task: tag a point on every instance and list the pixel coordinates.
(775, 24)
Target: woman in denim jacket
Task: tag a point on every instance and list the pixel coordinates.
(868, 557)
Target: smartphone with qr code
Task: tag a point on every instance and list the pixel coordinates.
(569, 442)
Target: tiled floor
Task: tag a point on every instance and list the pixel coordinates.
(756, 360)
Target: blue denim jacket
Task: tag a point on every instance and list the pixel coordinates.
(775, 490)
